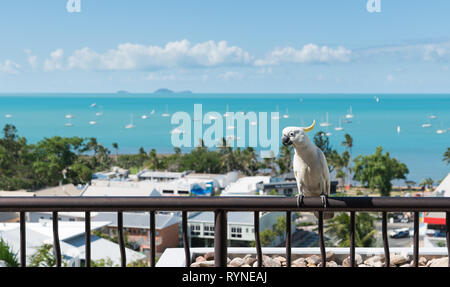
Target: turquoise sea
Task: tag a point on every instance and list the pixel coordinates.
(375, 123)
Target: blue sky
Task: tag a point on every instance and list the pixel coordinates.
(314, 46)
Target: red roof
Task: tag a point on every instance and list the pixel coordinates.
(434, 220)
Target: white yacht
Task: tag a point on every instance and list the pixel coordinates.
(326, 123)
(92, 123)
(339, 128)
(286, 115)
(166, 114)
(130, 125)
(350, 114)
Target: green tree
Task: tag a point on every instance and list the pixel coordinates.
(7, 255)
(116, 147)
(446, 158)
(378, 170)
(285, 159)
(365, 231)
(427, 183)
(43, 257)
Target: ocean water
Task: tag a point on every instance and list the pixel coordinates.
(374, 124)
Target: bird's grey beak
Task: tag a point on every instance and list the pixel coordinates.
(286, 141)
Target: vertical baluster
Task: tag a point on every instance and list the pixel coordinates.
(187, 253)
(123, 256)
(447, 233)
(416, 239)
(288, 239)
(220, 238)
(321, 240)
(387, 256)
(257, 238)
(56, 246)
(23, 247)
(152, 239)
(87, 230)
(352, 238)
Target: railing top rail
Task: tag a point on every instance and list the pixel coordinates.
(237, 203)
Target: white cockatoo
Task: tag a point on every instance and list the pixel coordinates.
(310, 166)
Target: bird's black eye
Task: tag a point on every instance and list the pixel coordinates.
(291, 134)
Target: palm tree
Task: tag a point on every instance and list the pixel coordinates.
(447, 156)
(427, 183)
(348, 144)
(364, 232)
(285, 159)
(116, 147)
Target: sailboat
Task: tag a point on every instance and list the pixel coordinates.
(69, 116)
(326, 123)
(339, 128)
(130, 125)
(69, 123)
(92, 123)
(8, 116)
(432, 117)
(441, 130)
(426, 125)
(144, 117)
(286, 115)
(226, 112)
(377, 99)
(166, 114)
(398, 129)
(99, 114)
(93, 105)
(276, 117)
(350, 114)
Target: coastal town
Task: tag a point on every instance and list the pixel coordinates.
(119, 182)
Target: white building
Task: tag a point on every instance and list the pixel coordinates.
(240, 225)
(36, 216)
(72, 241)
(245, 186)
(154, 183)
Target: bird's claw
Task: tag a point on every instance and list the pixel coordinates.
(300, 200)
(323, 198)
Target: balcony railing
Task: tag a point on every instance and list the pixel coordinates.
(220, 206)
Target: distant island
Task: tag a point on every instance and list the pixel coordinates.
(122, 92)
(168, 92)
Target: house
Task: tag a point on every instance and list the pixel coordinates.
(435, 221)
(159, 176)
(116, 173)
(72, 241)
(137, 228)
(36, 216)
(245, 186)
(121, 188)
(241, 230)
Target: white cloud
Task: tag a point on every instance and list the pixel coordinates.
(32, 59)
(55, 62)
(309, 53)
(160, 77)
(230, 75)
(410, 52)
(435, 52)
(9, 67)
(176, 54)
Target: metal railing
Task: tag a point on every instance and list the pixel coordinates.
(220, 206)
